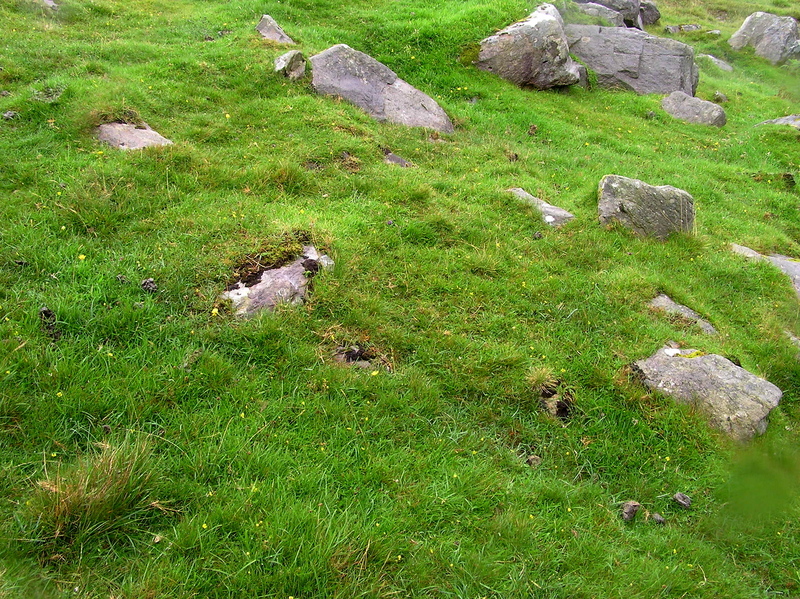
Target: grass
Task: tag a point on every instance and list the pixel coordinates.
(280, 471)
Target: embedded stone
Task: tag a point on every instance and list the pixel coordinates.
(126, 136)
(552, 215)
(291, 65)
(270, 30)
(694, 110)
(664, 303)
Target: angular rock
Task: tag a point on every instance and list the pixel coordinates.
(793, 120)
(130, 137)
(649, 13)
(789, 266)
(693, 110)
(683, 500)
(734, 400)
(612, 17)
(533, 52)
(666, 304)
(720, 98)
(645, 209)
(270, 30)
(392, 158)
(552, 215)
(629, 9)
(375, 88)
(291, 65)
(633, 59)
(774, 38)
(287, 284)
(629, 509)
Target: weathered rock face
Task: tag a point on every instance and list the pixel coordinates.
(649, 12)
(629, 9)
(665, 303)
(291, 65)
(793, 120)
(633, 59)
(533, 52)
(552, 215)
(612, 17)
(717, 62)
(130, 137)
(375, 88)
(694, 110)
(645, 209)
(734, 400)
(789, 266)
(287, 284)
(270, 30)
(774, 38)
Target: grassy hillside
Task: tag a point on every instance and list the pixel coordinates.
(153, 445)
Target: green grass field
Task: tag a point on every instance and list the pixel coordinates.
(153, 445)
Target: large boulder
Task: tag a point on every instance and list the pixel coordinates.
(126, 136)
(612, 17)
(694, 110)
(552, 215)
(633, 59)
(629, 9)
(774, 38)
(533, 52)
(645, 209)
(375, 88)
(793, 120)
(734, 400)
(270, 30)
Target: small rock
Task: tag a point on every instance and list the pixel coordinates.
(270, 30)
(10, 114)
(666, 304)
(126, 136)
(683, 500)
(533, 461)
(714, 32)
(392, 158)
(717, 62)
(122, 279)
(629, 509)
(658, 518)
(291, 65)
(157, 539)
(552, 215)
(650, 115)
(149, 285)
(681, 28)
(537, 235)
(720, 98)
(609, 15)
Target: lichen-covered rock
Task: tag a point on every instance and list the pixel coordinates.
(694, 110)
(375, 88)
(734, 400)
(291, 65)
(655, 211)
(533, 52)
(552, 215)
(270, 30)
(126, 136)
(774, 38)
(632, 59)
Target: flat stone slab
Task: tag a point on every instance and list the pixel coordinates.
(375, 88)
(287, 284)
(552, 215)
(789, 266)
(664, 303)
(793, 120)
(130, 137)
(735, 401)
(693, 110)
(270, 30)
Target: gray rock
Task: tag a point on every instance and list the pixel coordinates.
(291, 65)
(658, 518)
(794, 339)
(720, 64)
(693, 110)
(683, 500)
(633, 59)
(645, 209)
(9, 115)
(287, 284)
(270, 30)
(533, 52)
(612, 17)
(392, 158)
(130, 137)
(149, 285)
(50, 4)
(649, 13)
(629, 509)
(793, 120)
(681, 28)
(716, 32)
(734, 400)
(629, 9)
(666, 304)
(789, 266)
(720, 98)
(774, 38)
(375, 88)
(552, 215)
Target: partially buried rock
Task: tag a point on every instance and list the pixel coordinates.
(789, 266)
(635, 60)
(552, 215)
(48, 321)
(9, 115)
(126, 136)
(734, 400)
(693, 110)
(534, 461)
(287, 284)
(793, 120)
(719, 63)
(270, 30)
(645, 209)
(774, 38)
(658, 518)
(375, 88)
(392, 158)
(149, 285)
(531, 53)
(629, 9)
(291, 65)
(720, 98)
(612, 17)
(681, 28)
(666, 304)
(683, 500)
(629, 509)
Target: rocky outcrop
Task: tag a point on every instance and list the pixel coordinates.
(635, 60)
(552, 215)
(793, 120)
(734, 400)
(611, 17)
(291, 65)
(645, 209)
(531, 53)
(664, 303)
(629, 9)
(126, 136)
(375, 88)
(270, 30)
(693, 110)
(789, 266)
(774, 38)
